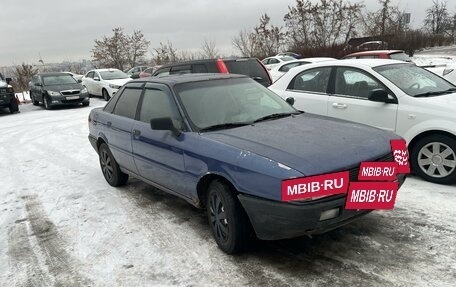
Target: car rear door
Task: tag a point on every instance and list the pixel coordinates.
(159, 154)
(349, 100)
(119, 125)
(310, 90)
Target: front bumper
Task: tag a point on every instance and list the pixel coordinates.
(6, 99)
(69, 100)
(273, 220)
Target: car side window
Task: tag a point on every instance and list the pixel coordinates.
(162, 72)
(90, 75)
(355, 83)
(273, 61)
(185, 69)
(156, 103)
(127, 103)
(287, 67)
(199, 68)
(313, 80)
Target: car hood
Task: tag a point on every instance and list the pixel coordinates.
(59, 88)
(310, 144)
(440, 103)
(119, 82)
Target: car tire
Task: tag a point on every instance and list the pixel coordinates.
(434, 159)
(35, 102)
(109, 167)
(13, 107)
(46, 103)
(228, 221)
(86, 104)
(105, 95)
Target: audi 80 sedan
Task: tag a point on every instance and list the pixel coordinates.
(226, 143)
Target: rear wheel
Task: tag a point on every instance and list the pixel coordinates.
(228, 220)
(111, 170)
(85, 104)
(105, 95)
(34, 101)
(434, 159)
(13, 107)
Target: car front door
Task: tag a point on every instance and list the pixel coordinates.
(119, 126)
(309, 89)
(349, 101)
(88, 82)
(159, 154)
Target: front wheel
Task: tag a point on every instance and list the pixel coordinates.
(111, 170)
(47, 104)
(105, 95)
(13, 107)
(35, 102)
(434, 159)
(228, 220)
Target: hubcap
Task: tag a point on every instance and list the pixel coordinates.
(436, 159)
(106, 165)
(218, 218)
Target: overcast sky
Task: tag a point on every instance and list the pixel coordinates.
(57, 30)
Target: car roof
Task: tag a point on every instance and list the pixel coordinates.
(204, 61)
(53, 74)
(172, 80)
(105, 70)
(375, 52)
(360, 63)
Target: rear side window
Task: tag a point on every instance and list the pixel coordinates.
(199, 68)
(185, 69)
(251, 68)
(128, 102)
(400, 56)
(287, 67)
(162, 72)
(313, 80)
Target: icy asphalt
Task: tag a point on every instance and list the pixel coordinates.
(61, 224)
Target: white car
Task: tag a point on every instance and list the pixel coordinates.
(393, 95)
(444, 66)
(280, 70)
(271, 62)
(104, 82)
(77, 77)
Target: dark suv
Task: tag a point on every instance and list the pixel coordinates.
(251, 67)
(7, 97)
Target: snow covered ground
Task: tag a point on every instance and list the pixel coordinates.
(62, 224)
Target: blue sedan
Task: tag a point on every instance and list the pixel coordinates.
(226, 143)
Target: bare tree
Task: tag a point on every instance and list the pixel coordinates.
(22, 76)
(209, 49)
(246, 43)
(165, 54)
(323, 24)
(120, 50)
(437, 17)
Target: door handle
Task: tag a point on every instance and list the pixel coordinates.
(109, 124)
(339, 106)
(136, 133)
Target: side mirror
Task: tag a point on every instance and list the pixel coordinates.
(164, 124)
(382, 96)
(8, 80)
(79, 80)
(96, 78)
(290, 101)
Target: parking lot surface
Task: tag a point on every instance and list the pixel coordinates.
(63, 225)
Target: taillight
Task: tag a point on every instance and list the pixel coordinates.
(221, 66)
(266, 70)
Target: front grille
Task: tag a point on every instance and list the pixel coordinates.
(70, 92)
(355, 171)
(2, 91)
(72, 101)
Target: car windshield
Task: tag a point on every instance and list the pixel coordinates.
(415, 81)
(58, 80)
(287, 58)
(113, 75)
(226, 103)
(401, 56)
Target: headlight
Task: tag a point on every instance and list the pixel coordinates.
(52, 93)
(84, 91)
(112, 86)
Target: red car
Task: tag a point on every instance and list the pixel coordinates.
(380, 54)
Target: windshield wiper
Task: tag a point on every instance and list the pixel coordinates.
(428, 94)
(275, 116)
(225, 126)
